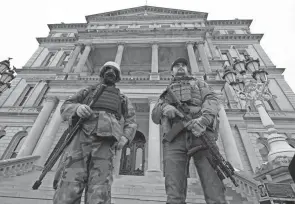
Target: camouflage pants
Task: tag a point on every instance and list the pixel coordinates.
(176, 164)
(87, 165)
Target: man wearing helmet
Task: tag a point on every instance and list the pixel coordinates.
(108, 124)
(202, 103)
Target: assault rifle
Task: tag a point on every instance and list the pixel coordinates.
(66, 139)
(222, 167)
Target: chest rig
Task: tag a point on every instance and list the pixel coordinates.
(182, 90)
(186, 90)
(109, 101)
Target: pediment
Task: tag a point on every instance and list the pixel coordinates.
(146, 11)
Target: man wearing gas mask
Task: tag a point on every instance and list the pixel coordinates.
(107, 125)
(202, 105)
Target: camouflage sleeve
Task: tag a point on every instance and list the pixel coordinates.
(69, 107)
(210, 103)
(130, 125)
(158, 110)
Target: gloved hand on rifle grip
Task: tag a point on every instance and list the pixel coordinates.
(84, 111)
(196, 127)
(171, 112)
(123, 140)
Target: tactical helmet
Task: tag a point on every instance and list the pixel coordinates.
(113, 65)
(183, 60)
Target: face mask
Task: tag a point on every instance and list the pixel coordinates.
(110, 77)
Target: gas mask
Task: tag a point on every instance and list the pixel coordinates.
(110, 76)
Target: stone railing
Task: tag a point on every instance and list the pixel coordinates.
(17, 166)
(247, 187)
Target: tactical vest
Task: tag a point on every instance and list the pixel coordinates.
(186, 91)
(109, 101)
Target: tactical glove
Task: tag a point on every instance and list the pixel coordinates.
(196, 127)
(123, 140)
(171, 112)
(84, 111)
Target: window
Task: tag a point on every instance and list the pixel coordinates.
(43, 97)
(48, 59)
(243, 54)
(64, 59)
(17, 148)
(268, 105)
(15, 145)
(225, 56)
(25, 97)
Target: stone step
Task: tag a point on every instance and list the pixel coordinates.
(125, 190)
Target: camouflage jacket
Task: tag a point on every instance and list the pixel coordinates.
(102, 123)
(205, 103)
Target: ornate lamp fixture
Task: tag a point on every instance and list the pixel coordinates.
(7, 74)
(257, 91)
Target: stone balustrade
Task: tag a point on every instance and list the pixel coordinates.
(17, 166)
(247, 187)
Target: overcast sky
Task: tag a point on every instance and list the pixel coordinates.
(23, 20)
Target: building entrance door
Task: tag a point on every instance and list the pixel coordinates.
(132, 159)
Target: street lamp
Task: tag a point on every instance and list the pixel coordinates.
(257, 91)
(7, 74)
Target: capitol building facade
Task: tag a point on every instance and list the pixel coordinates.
(257, 137)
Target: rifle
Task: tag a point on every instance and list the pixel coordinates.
(65, 141)
(222, 167)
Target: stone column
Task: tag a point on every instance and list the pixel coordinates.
(155, 62)
(204, 57)
(192, 58)
(211, 47)
(154, 155)
(83, 59)
(37, 129)
(228, 140)
(119, 54)
(46, 141)
(72, 60)
(277, 142)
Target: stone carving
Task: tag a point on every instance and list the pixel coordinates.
(277, 162)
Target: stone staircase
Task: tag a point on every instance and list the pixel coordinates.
(18, 175)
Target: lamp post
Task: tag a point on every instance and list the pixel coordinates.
(257, 91)
(7, 74)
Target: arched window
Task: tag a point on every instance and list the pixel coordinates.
(132, 159)
(17, 148)
(14, 145)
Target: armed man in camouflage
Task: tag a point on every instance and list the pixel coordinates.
(203, 108)
(109, 124)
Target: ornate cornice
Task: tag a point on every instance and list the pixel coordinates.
(238, 37)
(142, 30)
(57, 40)
(70, 25)
(145, 18)
(229, 22)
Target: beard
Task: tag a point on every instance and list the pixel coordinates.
(109, 78)
(180, 73)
